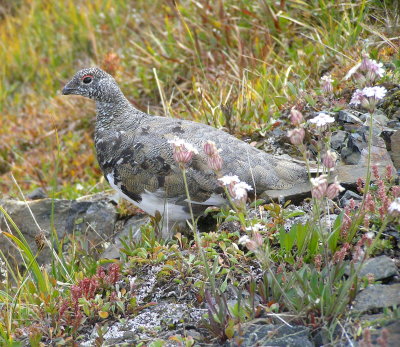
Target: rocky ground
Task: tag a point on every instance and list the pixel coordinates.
(168, 305)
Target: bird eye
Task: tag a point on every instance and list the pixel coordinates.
(87, 79)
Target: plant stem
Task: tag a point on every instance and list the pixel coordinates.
(196, 235)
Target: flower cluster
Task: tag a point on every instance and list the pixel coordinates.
(320, 188)
(366, 72)
(182, 151)
(236, 188)
(327, 86)
(296, 136)
(322, 121)
(214, 160)
(368, 97)
(329, 159)
(253, 243)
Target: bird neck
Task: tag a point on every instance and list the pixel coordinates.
(117, 110)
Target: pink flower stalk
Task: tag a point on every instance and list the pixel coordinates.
(369, 203)
(318, 262)
(389, 173)
(296, 117)
(182, 151)
(296, 136)
(366, 222)
(320, 184)
(329, 159)
(339, 256)
(334, 189)
(327, 86)
(375, 172)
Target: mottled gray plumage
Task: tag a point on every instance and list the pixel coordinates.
(137, 160)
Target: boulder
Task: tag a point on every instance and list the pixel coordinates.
(94, 220)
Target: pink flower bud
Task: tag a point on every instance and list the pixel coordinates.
(334, 189)
(320, 184)
(329, 159)
(296, 116)
(365, 63)
(215, 162)
(327, 86)
(182, 151)
(296, 136)
(258, 239)
(210, 148)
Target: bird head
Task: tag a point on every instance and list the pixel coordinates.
(93, 83)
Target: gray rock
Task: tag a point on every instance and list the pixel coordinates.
(377, 296)
(130, 231)
(349, 156)
(395, 149)
(347, 196)
(162, 320)
(259, 333)
(95, 220)
(37, 194)
(338, 139)
(345, 116)
(392, 332)
(379, 118)
(379, 154)
(394, 124)
(380, 267)
(347, 175)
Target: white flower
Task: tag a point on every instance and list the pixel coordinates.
(394, 208)
(240, 190)
(257, 227)
(327, 78)
(352, 71)
(375, 67)
(377, 92)
(322, 120)
(317, 181)
(244, 240)
(182, 144)
(357, 97)
(227, 180)
(368, 97)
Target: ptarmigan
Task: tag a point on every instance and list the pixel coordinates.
(135, 155)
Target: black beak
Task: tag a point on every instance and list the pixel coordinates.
(67, 91)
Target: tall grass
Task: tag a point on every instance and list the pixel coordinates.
(226, 63)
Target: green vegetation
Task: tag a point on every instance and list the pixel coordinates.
(232, 64)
